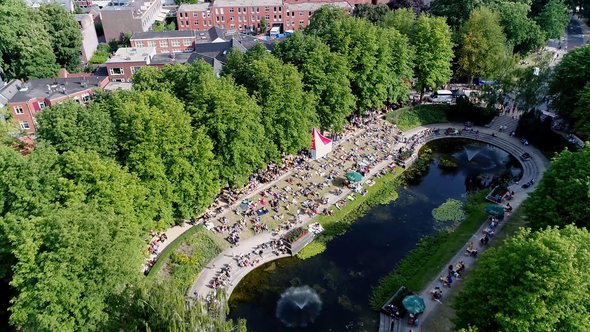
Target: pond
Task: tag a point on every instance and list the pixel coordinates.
(333, 289)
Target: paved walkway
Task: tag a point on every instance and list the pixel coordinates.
(532, 169)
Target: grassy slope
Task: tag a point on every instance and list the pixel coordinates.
(410, 117)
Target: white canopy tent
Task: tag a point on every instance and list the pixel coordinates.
(320, 145)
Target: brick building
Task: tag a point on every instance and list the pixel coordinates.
(246, 15)
(26, 99)
(123, 64)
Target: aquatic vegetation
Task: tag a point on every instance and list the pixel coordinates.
(451, 210)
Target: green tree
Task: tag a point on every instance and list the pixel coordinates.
(562, 195)
(536, 281)
(553, 18)
(377, 59)
(263, 25)
(231, 118)
(156, 142)
(163, 307)
(288, 112)
(521, 31)
(65, 34)
(324, 74)
(372, 13)
(70, 262)
(434, 52)
(323, 20)
(570, 76)
(25, 45)
(582, 126)
(456, 12)
(70, 125)
(483, 51)
(402, 20)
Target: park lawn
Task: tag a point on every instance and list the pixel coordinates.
(186, 256)
(422, 264)
(411, 117)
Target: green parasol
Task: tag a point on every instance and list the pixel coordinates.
(354, 176)
(495, 210)
(414, 304)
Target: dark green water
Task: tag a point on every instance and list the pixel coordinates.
(345, 273)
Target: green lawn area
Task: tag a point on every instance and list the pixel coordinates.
(411, 117)
(382, 192)
(423, 263)
(183, 259)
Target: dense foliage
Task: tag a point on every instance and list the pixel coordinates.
(562, 195)
(570, 77)
(536, 281)
(33, 46)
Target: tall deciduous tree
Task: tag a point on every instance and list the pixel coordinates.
(65, 34)
(521, 30)
(288, 112)
(70, 125)
(553, 18)
(156, 142)
(582, 126)
(25, 45)
(434, 52)
(402, 20)
(536, 281)
(324, 74)
(372, 13)
(456, 12)
(483, 51)
(570, 76)
(562, 195)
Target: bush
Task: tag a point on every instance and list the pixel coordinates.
(539, 133)
(312, 249)
(463, 110)
(101, 55)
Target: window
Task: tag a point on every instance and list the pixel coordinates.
(134, 69)
(186, 42)
(216, 11)
(274, 17)
(239, 18)
(300, 23)
(117, 71)
(239, 9)
(163, 43)
(152, 43)
(274, 9)
(240, 27)
(203, 14)
(300, 13)
(221, 11)
(86, 98)
(231, 9)
(138, 44)
(24, 125)
(266, 9)
(267, 17)
(217, 19)
(175, 42)
(231, 18)
(195, 14)
(258, 9)
(18, 110)
(42, 105)
(288, 23)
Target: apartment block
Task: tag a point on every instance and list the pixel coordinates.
(246, 15)
(26, 99)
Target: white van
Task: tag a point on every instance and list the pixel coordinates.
(442, 97)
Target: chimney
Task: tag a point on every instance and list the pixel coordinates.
(63, 73)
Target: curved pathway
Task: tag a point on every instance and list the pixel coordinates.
(532, 168)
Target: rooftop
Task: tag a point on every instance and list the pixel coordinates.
(133, 54)
(170, 58)
(194, 7)
(313, 6)
(246, 3)
(53, 88)
(163, 34)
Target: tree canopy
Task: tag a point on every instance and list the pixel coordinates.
(562, 195)
(483, 51)
(70, 125)
(324, 74)
(536, 281)
(571, 76)
(65, 34)
(26, 49)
